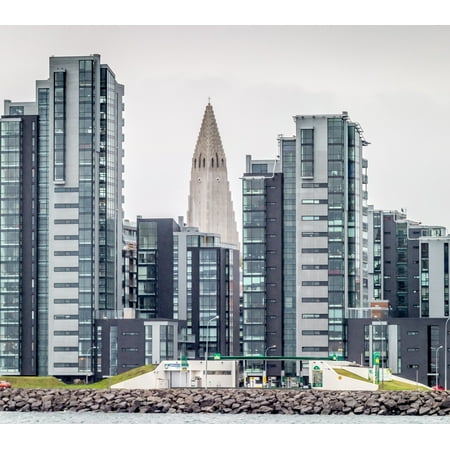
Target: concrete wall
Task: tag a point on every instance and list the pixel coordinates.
(170, 374)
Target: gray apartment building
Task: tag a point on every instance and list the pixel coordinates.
(408, 283)
(321, 222)
(189, 276)
(76, 213)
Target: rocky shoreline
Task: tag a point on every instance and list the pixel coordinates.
(227, 401)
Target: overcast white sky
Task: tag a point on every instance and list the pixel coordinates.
(393, 80)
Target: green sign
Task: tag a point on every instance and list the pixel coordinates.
(184, 362)
(376, 357)
(217, 355)
(316, 368)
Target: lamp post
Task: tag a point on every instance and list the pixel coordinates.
(88, 362)
(437, 366)
(272, 347)
(445, 352)
(206, 350)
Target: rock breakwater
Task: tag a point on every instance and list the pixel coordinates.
(227, 401)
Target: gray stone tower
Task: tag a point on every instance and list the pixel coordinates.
(210, 207)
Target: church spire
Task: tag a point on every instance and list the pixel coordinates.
(210, 206)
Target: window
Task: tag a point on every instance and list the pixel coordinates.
(314, 283)
(65, 221)
(59, 301)
(314, 234)
(314, 316)
(314, 185)
(65, 316)
(314, 299)
(314, 218)
(314, 250)
(307, 152)
(314, 332)
(314, 201)
(314, 349)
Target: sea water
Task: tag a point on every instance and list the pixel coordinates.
(111, 431)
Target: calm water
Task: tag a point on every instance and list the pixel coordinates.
(67, 430)
(213, 419)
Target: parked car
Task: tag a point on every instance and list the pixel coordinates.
(438, 387)
(4, 384)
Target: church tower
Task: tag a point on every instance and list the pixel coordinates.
(210, 207)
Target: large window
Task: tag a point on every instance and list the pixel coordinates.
(307, 152)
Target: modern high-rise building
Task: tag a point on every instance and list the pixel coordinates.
(407, 323)
(78, 221)
(394, 260)
(206, 286)
(321, 223)
(210, 206)
(190, 276)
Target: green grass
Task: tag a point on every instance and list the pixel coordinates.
(54, 383)
(393, 385)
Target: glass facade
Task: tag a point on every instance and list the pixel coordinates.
(59, 126)
(147, 267)
(42, 219)
(402, 268)
(337, 158)
(107, 189)
(288, 158)
(11, 294)
(86, 207)
(424, 281)
(254, 298)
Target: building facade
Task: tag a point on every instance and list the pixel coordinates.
(408, 282)
(18, 244)
(322, 227)
(78, 224)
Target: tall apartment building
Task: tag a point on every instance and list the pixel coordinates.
(408, 283)
(394, 260)
(322, 227)
(190, 276)
(206, 285)
(78, 220)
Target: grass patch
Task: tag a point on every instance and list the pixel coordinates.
(394, 385)
(54, 383)
(346, 373)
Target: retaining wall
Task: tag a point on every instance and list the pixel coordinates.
(227, 401)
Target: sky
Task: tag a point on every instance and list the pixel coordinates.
(394, 80)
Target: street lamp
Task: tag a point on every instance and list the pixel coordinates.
(272, 347)
(445, 352)
(206, 350)
(88, 362)
(437, 366)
